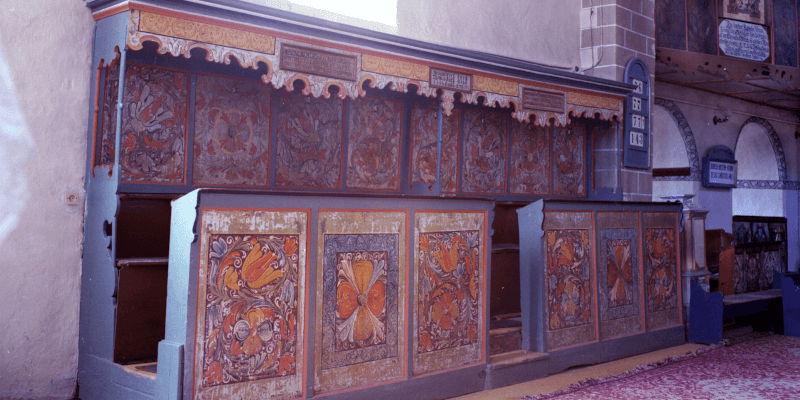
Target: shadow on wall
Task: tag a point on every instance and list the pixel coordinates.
(16, 146)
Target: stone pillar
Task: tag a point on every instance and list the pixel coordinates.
(693, 245)
(694, 249)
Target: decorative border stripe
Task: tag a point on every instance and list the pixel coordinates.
(588, 100)
(494, 85)
(207, 33)
(179, 34)
(387, 66)
(758, 184)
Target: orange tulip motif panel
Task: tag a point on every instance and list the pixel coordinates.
(250, 308)
(449, 290)
(231, 132)
(153, 132)
(618, 274)
(360, 298)
(569, 283)
(661, 278)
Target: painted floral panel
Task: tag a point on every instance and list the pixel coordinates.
(250, 308)
(530, 159)
(309, 143)
(618, 274)
(742, 232)
(109, 120)
(619, 271)
(569, 282)
(424, 132)
(360, 298)
(373, 153)
(745, 272)
(153, 125)
(753, 269)
(660, 263)
(484, 152)
(448, 289)
(231, 132)
(569, 175)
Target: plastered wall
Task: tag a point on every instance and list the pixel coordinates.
(753, 150)
(507, 28)
(47, 45)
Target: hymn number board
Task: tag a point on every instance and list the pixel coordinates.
(637, 116)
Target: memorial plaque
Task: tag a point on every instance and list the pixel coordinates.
(451, 80)
(744, 10)
(721, 173)
(543, 101)
(719, 168)
(743, 40)
(637, 114)
(319, 62)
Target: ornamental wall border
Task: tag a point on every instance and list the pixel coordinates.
(178, 37)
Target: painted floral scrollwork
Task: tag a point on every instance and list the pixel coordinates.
(449, 290)
(251, 308)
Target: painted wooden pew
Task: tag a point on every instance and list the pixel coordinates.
(790, 287)
(708, 310)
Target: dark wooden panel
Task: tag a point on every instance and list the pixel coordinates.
(506, 225)
(141, 313)
(702, 17)
(785, 30)
(671, 24)
(505, 283)
(143, 228)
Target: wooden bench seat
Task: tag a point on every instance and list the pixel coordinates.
(707, 311)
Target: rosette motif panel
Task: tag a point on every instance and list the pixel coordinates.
(309, 145)
(530, 159)
(569, 169)
(361, 268)
(485, 147)
(231, 132)
(373, 153)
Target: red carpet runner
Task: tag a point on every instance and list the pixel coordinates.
(764, 368)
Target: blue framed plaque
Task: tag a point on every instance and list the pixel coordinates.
(636, 148)
(719, 168)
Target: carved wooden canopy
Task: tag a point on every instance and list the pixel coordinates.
(321, 64)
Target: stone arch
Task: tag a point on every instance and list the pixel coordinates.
(761, 164)
(779, 180)
(688, 141)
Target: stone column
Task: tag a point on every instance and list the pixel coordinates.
(693, 245)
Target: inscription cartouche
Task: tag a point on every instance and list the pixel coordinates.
(540, 100)
(319, 62)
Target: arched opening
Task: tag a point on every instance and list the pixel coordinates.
(676, 167)
(757, 167)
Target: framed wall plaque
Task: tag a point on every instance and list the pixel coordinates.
(719, 168)
(637, 116)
